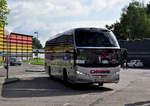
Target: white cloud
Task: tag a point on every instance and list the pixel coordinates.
(49, 17)
(146, 1)
(114, 3)
(98, 5)
(9, 28)
(31, 15)
(61, 27)
(49, 8)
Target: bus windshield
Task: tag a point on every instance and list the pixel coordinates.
(89, 38)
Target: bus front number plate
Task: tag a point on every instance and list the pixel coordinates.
(99, 77)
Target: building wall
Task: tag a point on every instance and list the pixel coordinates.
(1, 44)
(19, 45)
(138, 49)
(40, 55)
(1, 38)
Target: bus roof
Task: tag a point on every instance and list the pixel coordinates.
(72, 30)
(59, 34)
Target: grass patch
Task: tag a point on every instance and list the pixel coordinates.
(2, 75)
(1, 63)
(40, 59)
(26, 60)
(38, 63)
(34, 59)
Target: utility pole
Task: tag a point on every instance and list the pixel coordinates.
(36, 34)
(6, 33)
(37, 49)
(7, 60)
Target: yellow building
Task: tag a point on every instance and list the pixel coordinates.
(1, 38)
(1, 43)
(19, 45)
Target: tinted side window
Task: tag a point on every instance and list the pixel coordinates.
(68, 39)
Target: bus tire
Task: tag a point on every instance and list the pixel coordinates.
(65, 76)
(49, 72)
(100, 84)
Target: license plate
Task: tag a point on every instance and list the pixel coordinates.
(100, 77)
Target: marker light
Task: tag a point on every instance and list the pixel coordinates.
(99, 71)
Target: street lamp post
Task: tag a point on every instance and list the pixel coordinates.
(37, 49)
(7, 59)
(36, 34)
(6, 33)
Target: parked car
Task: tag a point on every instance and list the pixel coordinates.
(135, 63)
(15, 61)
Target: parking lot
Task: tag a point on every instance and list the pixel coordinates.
(34, 88)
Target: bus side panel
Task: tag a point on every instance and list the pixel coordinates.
(48, 55)
(54, 59)
(69, 62)
(59, 55)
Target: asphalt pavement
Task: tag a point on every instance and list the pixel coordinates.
(34, 88)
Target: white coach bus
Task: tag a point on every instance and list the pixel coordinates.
(84, 55)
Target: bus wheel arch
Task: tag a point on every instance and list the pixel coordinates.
(100, 84)
(65, 75)
(49, 71)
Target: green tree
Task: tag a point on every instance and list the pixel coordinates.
(148, 9)
(36, 43)
(148, 16)
(134, 21)
(3, 12)
(117, 30)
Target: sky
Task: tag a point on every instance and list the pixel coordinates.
(49, 17)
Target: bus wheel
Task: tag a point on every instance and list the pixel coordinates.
(65, 76)
(49, 71)
(100, 84)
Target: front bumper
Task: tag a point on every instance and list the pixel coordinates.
(86, 77)
(98, 78)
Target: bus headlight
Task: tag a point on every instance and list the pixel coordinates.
(81, 73)
(117, 72)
